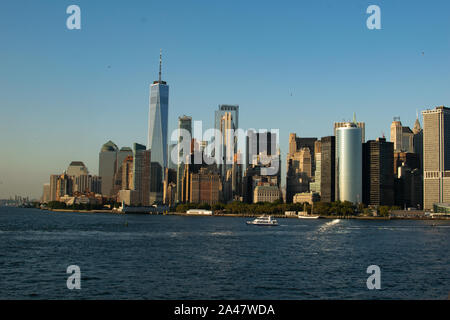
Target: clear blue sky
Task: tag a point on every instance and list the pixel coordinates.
(63, 93)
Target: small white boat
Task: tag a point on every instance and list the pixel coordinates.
(308, 217)
(264, 221)
(302, 215)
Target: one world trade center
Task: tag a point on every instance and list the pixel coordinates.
(158, 120)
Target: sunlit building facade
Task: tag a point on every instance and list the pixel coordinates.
(349, 163)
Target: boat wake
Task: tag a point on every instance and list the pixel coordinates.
(328, 225)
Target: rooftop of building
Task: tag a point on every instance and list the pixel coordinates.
(440, 108)
(406, 130)
(159, 82)
(109, 146)
(228, 107)
(77, 164)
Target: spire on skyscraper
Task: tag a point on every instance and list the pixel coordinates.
(160, 63)
(417, 128)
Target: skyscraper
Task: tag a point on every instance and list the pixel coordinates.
(260, 142)
(158, 121)
(185, 123)
(107, 167)
(378, 172)
(314, 186)
(226, 108)
(401, 136)
(327, 161)
(361, 125)
(53, 186)
(349, 163)
(46, 193)
(418, 141)
(141, 173)
(300, 165)
(226, 117)
(122, 154)
(229, 142)
(172, 162)
(436, 156)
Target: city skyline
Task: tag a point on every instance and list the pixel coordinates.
(79, 109)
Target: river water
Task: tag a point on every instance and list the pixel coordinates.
(178, 257)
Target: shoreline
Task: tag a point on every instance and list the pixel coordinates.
(250, 215)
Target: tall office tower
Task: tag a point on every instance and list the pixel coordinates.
(378, 172)
(418, 141)
(45, 193)
(410, 160)
(127, 173)
(172, 162)
(158, 118)
(349, 163)
(300, 165)
(296, 143)
(170, 186)
(328, 169)
(315, 185)
(436, 156)
(361, 125)
(141, 173)
(408, 187)
(236, 183)
(401, 136)
(225, 108)
(259, 142)
(229, 142)
(123, 153)
(396, 134)
(222, 115)
(107, 166)
(53, 186)
(185, 123)
(64, 186)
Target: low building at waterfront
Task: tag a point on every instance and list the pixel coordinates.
(129, 197)
(309, 197)
(266, 194)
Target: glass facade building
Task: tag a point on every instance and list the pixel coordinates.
(158, 122)
(185, 123)
(349, 163)
(107, 167)
(158, 118)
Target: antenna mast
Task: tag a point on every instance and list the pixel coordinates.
(160, 63)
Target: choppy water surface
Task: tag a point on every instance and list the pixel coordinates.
(174, 257)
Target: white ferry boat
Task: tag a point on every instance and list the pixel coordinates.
(264, 221)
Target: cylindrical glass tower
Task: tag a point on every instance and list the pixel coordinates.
(349, 163)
